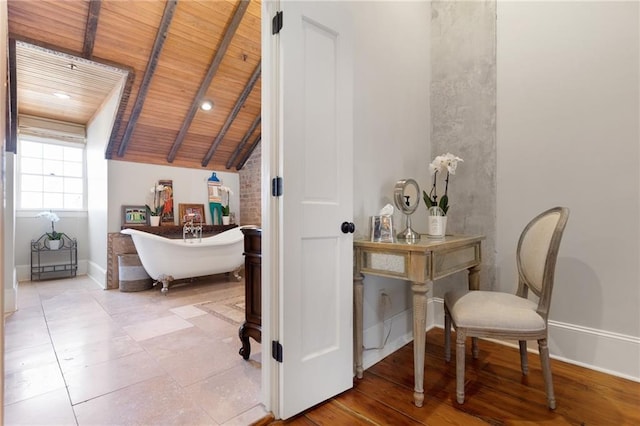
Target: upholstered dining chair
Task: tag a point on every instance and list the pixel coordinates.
(509, 316)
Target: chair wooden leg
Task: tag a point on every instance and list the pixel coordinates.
(475, 351)
(546, 372)
(460, 338)
(524, 362)
(447, 335)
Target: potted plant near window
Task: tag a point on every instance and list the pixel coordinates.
(155, 212)
(54, 239)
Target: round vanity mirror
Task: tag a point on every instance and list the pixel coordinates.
(406, 196)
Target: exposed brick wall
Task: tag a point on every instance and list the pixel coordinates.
(250, 189)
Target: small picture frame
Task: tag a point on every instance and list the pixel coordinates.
(134, 215)
(382, 229)
(197, 210)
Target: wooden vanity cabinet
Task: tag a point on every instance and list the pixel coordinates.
(252, 326)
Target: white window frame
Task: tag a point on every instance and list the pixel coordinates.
(51, 141)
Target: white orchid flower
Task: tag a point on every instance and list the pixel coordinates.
(452, 162)
(439, 164)
(226, 189)
(49, 215)
(442, 163)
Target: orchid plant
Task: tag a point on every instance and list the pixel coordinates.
(156, 190)
(51, 216)
(442, 163)
(226, 210)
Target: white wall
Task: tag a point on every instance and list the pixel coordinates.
(391, 132)
(98, 134)
(129, 184)
(568, 134)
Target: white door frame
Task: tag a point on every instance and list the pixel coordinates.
(338, 349)
(270, 209)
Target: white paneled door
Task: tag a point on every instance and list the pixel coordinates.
(316, 290)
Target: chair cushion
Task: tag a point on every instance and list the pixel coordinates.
(492, 310)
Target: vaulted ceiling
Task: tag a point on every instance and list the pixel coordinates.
(177, 54)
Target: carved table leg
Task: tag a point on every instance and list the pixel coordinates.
(474, 278)
(419, 330)
(358, 290)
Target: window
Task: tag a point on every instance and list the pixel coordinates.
(51, 175)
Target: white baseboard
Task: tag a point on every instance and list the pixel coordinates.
(97, 274)
(401, 334)
(374, 337)
(600, 350)
(604, 351)
(11, 296)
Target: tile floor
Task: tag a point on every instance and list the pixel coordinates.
(77, 354)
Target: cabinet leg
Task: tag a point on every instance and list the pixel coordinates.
(245, 350)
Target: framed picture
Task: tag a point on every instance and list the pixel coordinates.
(134, 215)
(167, 216)
(197, 210)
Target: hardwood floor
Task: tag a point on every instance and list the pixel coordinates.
(496, 393)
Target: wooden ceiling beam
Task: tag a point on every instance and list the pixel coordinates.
(161, 36)
(243, 142)
(206, 82)
(91, 28)
(244, 159)
(124, 100)
(232, 116)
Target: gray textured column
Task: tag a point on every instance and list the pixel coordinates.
(463, 117)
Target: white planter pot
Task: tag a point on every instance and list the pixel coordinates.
(154, 220)
(54, 244)
(437, 226)
(226, 220)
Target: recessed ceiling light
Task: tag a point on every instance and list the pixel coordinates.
(206, 105)
(61, 95)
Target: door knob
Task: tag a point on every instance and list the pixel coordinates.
(348, 227)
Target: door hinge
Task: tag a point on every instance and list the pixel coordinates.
(276, 186)
(276, 23)
(276, 350)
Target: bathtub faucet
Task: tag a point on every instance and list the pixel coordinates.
(191, 229)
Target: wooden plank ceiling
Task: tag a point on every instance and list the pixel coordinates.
(178, 54)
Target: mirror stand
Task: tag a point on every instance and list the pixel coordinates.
(407, 198)
(409, 234)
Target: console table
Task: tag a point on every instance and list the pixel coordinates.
(418, 263)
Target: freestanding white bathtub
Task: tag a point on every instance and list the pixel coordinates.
(167, 259)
